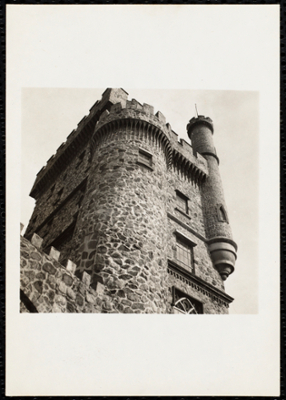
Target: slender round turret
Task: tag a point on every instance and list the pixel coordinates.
(222, 247)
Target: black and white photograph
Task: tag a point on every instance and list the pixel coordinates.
(142, 200)
(130, 216)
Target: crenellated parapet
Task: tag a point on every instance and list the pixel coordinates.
(115, 110)
(47, 286)
(142, 121)
(137, 119)
(76, 140)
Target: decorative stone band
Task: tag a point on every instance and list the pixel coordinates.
(198, 284)
(131, 120)
(223, 254)
(207, 153)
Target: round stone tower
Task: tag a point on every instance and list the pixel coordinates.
(222, 247)
(122, 225)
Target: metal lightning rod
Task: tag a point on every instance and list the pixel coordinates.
(196, 110)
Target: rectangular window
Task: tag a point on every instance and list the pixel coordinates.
(184, 254)
(182, 202)
(145, 158)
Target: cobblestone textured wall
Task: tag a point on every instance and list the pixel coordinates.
(52, 288)
(122, 225)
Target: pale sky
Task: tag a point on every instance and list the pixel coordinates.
(49, 115)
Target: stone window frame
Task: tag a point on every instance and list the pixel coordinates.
(184, 241)
(186, 199)
(183, 303)
(145, 158)
(222, 214)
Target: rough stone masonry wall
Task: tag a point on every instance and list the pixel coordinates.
(51, 287)
(123, 225)
(192, 226)
(50, 203)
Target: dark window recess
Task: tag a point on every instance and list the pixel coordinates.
(221, 213)
(145, 158)
(182, 202)
(185, 304)
(184, 254)
(64, 238)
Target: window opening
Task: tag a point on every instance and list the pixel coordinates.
(185, 304)
(222, 215)
(182, 202)
(184, 254)
(145, 158)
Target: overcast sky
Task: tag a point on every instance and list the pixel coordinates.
(49, 115)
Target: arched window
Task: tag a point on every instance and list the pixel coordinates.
(184, 304)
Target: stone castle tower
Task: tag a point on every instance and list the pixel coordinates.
(127, 219)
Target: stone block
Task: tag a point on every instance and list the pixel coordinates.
(36, 241)
(86, 278)
(55, 254)
(71, 266)
(99, 288)
(160, 117)
(56, 309)
(62, 288)
(71, 293)
(148, 109)
(116, 108)
(168, 126)
(67, 279)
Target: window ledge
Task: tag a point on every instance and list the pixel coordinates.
(182, 212)
(145, 165)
